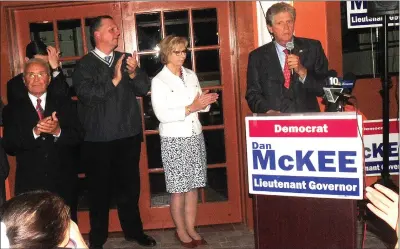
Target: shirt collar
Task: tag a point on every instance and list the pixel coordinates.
(103, 55)
(34, 99)
(173, 75)
(279, 47)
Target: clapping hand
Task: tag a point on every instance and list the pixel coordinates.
(131, 65)
(117, 71)
(201, 101)
(49, 125)
(54, 57)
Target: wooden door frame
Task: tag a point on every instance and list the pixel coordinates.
(246, 37)
(231, 141)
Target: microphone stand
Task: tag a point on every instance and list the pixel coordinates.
(341, 103)
(386, 85)
(376, 225)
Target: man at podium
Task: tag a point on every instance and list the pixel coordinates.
(288, 73)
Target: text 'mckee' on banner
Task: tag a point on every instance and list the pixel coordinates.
(305, 155)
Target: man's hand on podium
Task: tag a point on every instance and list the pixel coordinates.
(272, 112)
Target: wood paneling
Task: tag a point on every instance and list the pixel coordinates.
(245, 43)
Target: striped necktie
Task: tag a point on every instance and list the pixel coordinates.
(39, 109)
(286, 71)
(107, 58)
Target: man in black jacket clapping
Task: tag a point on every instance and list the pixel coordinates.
(111, 118)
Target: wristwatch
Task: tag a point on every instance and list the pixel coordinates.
(188, 110)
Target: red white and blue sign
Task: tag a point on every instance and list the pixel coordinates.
(308, 155)
(373, 147)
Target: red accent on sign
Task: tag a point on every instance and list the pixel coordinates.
(376, 128)
(303, 128)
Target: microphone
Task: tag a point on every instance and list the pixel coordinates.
(349, 80)
(332, 94)
(290, 47)
(343, 95)
(331, 88)
(337, 90)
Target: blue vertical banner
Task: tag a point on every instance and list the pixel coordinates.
(373, 147)
(357, 16)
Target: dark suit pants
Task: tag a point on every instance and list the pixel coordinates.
(2, 191)
(113, 168)
(64, 186)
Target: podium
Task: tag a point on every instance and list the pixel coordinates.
(304, 223)
(307, 201)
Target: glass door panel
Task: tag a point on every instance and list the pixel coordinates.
(61, 27)
(206, 25)
(177, 23)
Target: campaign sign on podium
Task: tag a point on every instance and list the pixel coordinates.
(309, 155)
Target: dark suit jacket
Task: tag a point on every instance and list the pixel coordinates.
(16, 89)
(4, 166)
(265, 90)
(45, 162)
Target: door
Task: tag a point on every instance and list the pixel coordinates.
(143, 24)
(207, 27)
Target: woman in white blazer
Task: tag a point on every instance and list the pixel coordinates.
(177, 98)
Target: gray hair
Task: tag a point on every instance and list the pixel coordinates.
(278, 8)
(37, 61)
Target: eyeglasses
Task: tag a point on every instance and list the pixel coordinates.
(71, 244)
(182, 52)
(40, 75)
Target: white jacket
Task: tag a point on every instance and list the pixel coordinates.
(169, 97)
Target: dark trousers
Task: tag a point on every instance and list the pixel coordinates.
(64, 187)
(2, 191)
(113, 168)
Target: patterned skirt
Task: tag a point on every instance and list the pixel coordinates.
(185, 163)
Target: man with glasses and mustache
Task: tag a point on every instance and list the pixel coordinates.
(41, 130)
(111, 117)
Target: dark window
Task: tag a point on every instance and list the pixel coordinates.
(363, 52)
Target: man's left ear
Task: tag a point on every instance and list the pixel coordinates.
(269, 29)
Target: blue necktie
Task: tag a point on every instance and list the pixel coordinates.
(107, 58)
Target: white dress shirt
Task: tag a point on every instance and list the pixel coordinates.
(43, 105)
(169, 97)
(55, 73)
(34, 100)
(102, 56)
